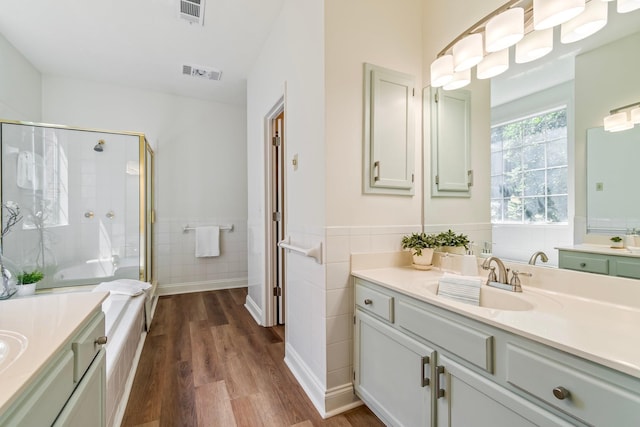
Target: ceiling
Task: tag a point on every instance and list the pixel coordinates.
(142, 43)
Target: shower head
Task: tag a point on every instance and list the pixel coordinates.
(99, 146)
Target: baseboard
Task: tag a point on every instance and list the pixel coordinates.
(209, 285)
(254, 310)
(122, 405)
(327, 402)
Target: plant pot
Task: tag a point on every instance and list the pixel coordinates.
(617, 245)
(26, 290)
(424, 261)
(460, 250)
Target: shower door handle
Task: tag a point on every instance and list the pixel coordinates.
(110, 215)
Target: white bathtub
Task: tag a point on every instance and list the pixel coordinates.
(125, 325)
(95, 271)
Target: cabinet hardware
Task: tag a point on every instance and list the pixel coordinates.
(367, 301)
(583, 264)
(425, 362)
(437, 179)
(101, 340)
(439, 391)
(469, 178)
(561, 393)
(376, 171)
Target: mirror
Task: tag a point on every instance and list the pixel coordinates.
(593, 87)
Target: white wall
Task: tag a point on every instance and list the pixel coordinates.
(20, 82)
(201, 174)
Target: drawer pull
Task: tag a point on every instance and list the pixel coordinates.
(367, 301)
(101, 340)
(439, 391)
(425, 363)
(561, 393)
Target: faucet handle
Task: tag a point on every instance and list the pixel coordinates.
(492, 275)
(515, 280)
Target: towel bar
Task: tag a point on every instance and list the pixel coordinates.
(314, 252)
(229, 227)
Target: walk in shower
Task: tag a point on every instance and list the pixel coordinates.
(86, 200)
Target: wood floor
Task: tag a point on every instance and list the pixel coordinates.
(207, 363)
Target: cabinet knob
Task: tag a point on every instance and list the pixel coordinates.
(367, 301)
(583, 264)
(101, 340)
(561, 393)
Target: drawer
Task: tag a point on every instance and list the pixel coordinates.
(628, 268)
(471, 344)
(584, 262)
(85, 347)
(374, 302)
(590, 399)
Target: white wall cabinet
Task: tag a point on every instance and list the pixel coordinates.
(478, 375)
(71, 391)
(389, 131)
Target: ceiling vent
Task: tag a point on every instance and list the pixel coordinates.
(192, 11)
(201, 72)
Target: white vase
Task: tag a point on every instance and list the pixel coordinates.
(26, 290)
(423, 262)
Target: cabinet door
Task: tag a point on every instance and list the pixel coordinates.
(86, 406)
(450, 143)
(392, 373)
(389, 134)
(465, 398)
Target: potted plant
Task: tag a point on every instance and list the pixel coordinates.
(422, 246)
(27, 282)
(616, 242)
(452, 242)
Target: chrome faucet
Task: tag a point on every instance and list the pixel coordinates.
(535, 256)
(502, 270)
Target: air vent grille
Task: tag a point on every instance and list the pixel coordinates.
(201, 72)
(192, 11)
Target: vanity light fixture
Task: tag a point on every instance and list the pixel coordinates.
(493, 64)
(534, 45)
(625, 6)
(460, 79)
(549, 13)
(442, 71)
(504, 30)
(621, 118)
(467, 52)
(592, 20)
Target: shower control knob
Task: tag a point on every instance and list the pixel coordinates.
(110, 214)
(88, 214)
(101, 340)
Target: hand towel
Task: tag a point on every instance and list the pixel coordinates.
(207, 241)
(123, 287)
(464, 289)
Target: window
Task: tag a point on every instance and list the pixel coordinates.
(529, 169)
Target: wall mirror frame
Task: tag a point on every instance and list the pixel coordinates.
(86, 200)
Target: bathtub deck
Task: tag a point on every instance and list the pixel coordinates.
(205, 362)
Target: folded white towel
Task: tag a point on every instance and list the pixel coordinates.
(207, 241)
(123, 287)
(464, 289)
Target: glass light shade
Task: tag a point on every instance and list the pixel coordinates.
(504, 30)
(467, 52)
(442, 71)
(493, 64)
(460, 79)
(593, 19)
(635, 115)
(617, 122)
(625, 6)
(534, 45)
(549, 13)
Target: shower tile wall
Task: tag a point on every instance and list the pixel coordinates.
(177, 264)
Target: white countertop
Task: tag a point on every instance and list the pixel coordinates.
(47, 321)
(602, 249)
(603, 332)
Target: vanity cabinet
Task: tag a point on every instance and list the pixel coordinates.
(475, 374)
(600, 263)
(70, 390)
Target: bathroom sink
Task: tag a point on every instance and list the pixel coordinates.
(496, 299)
(12, 345)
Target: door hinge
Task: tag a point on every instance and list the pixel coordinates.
(436, 97)
(413, 91)
(277, 292)
(470, 177)
(354, 320)
(276, 141)
(437, 179)
(277, 216)
(412, 178)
